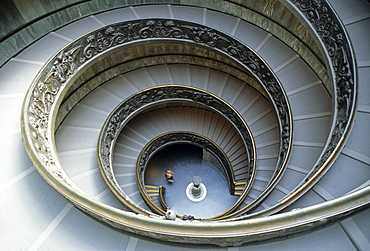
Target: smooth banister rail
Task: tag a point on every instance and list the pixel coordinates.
(333, 39)
(149, 99)
(177, 137)
(44, 94)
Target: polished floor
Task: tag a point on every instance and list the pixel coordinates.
(186, 162)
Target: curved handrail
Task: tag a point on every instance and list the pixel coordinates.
(320, 18)
(223, 43)
(149, 98)
(162, 197)
(47, 91)
(169, 138)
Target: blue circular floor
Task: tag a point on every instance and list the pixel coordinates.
(186, 162)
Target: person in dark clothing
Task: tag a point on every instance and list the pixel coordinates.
(169, 176)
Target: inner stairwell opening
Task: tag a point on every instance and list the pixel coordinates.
(188, 161)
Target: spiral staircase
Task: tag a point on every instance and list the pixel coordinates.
(293, 136)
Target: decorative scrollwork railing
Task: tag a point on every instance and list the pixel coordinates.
(178, 137)
(340, 60)
(152, 97)
(54, 76)
(55, 81)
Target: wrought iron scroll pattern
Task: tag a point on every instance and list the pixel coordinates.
(333, 36)
(178, 137)
(43, 96)
(64, 65)
(170, 93)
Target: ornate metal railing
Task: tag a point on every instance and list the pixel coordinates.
(341, 62)
(147, 99)
(55, 79)
(171, 138)
(59, 71)
(333, 39)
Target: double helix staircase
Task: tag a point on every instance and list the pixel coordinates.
(76, 137)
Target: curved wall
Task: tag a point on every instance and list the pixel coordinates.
(36, 216)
